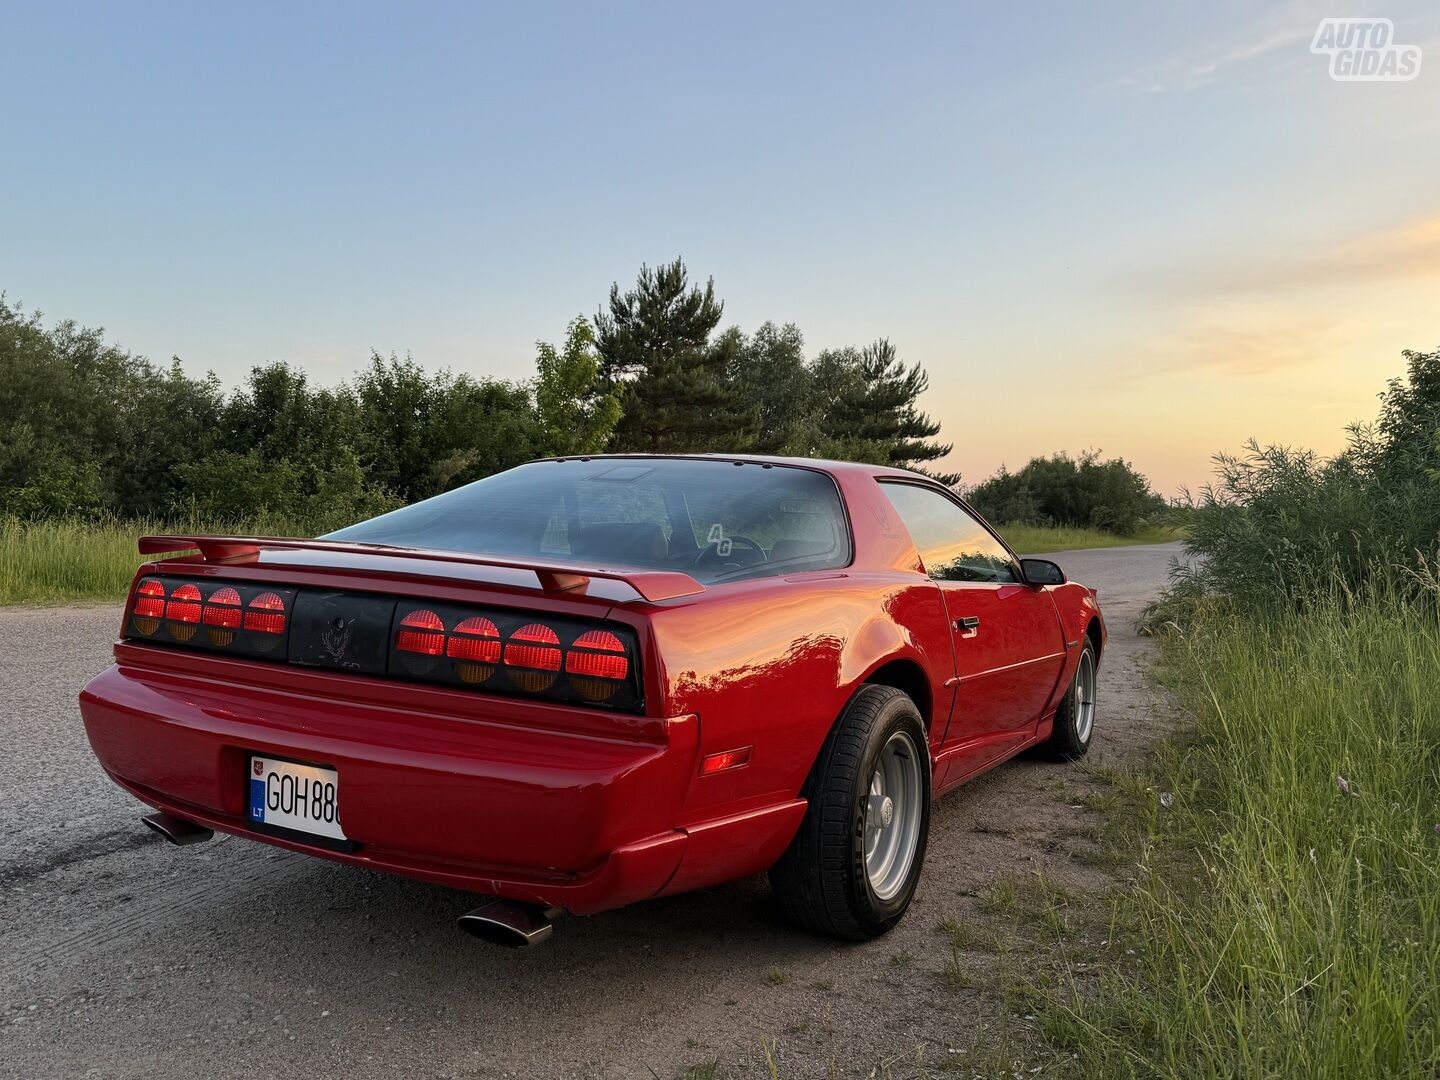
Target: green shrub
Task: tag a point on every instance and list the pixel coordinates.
(1285, 526)
(1082, 492)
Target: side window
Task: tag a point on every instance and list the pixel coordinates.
(953, 545)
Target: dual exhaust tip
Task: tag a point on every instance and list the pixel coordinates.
(500, 922)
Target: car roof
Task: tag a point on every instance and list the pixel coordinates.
(822, 464)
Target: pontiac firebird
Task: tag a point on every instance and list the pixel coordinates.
(586, 682)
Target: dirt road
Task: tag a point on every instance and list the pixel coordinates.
(122, 956)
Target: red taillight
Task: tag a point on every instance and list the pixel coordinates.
(597, 654)
(474, 639)
(149, 599)
(474, 645)
(266, 614)
(729, 759)
(222, 616)
(532, 656)
(183, 611)
(149, 606)
(223, 609)
(426, 636)
(184, 605)
(597, 665)
(543, 654)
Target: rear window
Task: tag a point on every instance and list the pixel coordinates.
(713, 520)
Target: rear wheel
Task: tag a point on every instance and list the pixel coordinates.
(852, 868)
(1075, 719)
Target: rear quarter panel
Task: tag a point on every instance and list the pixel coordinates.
(770, 664)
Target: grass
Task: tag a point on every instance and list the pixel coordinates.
(1285, 913)
(60, 561)
(1032, 539)
(72, 560)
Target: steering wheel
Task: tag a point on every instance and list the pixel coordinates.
(710, 553)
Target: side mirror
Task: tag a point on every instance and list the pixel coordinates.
(1041, 572)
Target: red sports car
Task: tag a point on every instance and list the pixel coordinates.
(590, 681)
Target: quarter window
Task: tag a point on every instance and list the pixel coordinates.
(953, 545)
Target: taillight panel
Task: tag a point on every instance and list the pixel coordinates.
(228, 617)
(519, 653)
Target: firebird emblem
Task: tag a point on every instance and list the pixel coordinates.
(337, 639)
(882, 516)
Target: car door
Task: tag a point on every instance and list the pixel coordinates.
(1009, 644)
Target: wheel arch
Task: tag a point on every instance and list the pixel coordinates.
(907, 676)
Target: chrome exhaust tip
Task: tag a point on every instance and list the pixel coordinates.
(177, 830)
(514, 925)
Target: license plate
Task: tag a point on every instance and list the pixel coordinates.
(305, 798)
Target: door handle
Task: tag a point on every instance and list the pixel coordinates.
(968, 622)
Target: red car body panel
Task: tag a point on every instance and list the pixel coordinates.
(583, 808)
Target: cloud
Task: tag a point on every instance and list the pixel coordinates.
(1251, 318)
(1408, 251)
(1236, 340)
(1290, 27)
(1198, 73)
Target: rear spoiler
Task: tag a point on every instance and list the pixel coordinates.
(553, 577)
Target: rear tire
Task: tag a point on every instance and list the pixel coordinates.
(1075, 718)
(852, 868)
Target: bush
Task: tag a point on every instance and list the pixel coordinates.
(1082, 492)
(1283, 525)
(240, 489)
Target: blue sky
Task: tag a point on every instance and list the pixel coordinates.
(1154, 229)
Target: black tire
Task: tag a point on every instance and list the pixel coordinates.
(821, 882)
(1071, 737)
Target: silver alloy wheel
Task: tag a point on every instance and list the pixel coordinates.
(892, 816)
(1085, 697)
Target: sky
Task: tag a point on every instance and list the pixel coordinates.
(1155, 230)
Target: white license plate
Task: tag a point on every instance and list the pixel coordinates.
(305, 798)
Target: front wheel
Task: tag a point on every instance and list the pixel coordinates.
(852, 868)
(1075, 719)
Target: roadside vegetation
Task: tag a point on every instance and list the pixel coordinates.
(1284, 912)
(1075, 492)
(70, 560)
(100, 446)
(1033, 539)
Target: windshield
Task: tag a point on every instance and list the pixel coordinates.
(713, 520)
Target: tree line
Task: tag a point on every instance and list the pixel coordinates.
(89, 428)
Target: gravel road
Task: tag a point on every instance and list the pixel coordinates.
(121, 956)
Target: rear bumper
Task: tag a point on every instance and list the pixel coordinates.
(523, 800)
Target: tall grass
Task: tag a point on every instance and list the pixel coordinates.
(1286, 917)
(67, 560)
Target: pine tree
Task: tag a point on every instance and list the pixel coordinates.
(655, 351)
(869, 410)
